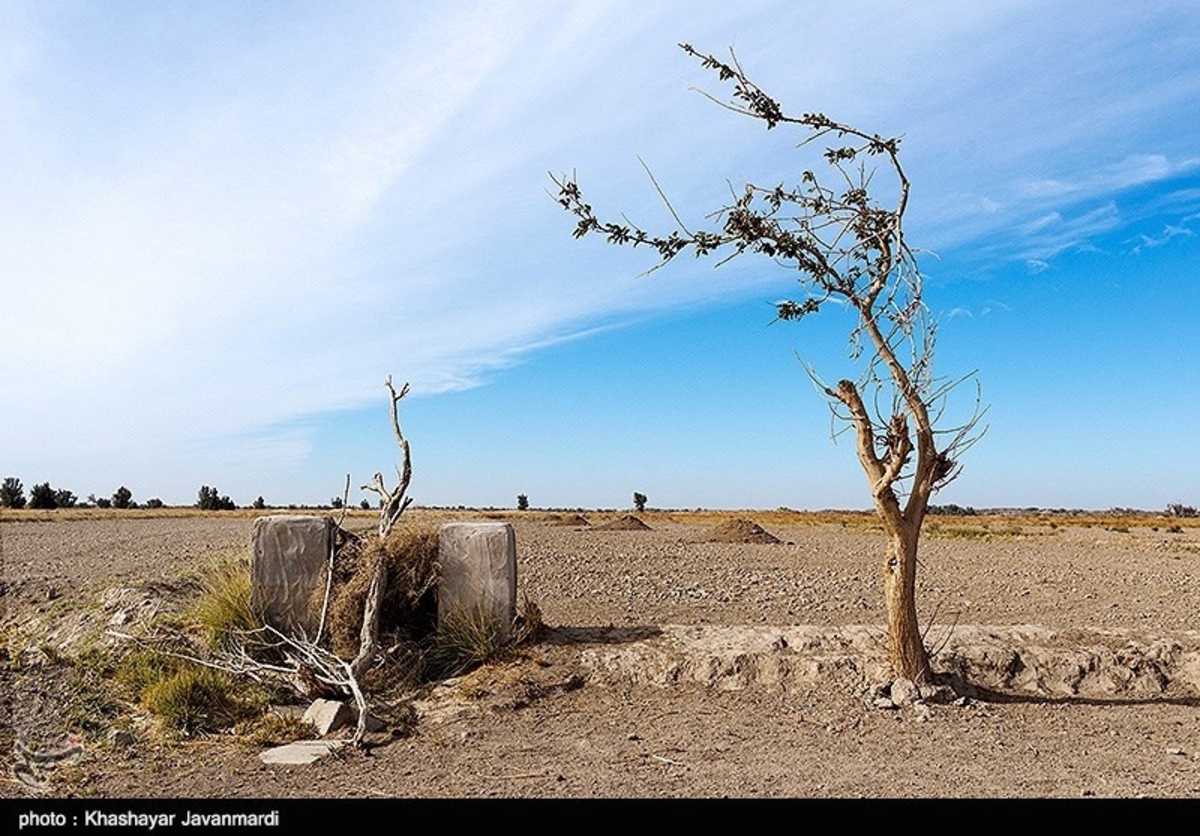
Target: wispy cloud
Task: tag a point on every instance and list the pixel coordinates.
(1169, 232)
(1134, 170)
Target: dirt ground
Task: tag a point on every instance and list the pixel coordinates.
(677, 667)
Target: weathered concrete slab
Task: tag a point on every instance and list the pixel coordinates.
(289, 560)
(301, 752)
(479, 572)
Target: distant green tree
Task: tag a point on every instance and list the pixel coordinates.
(365, 505)
(122, 497)
(42, 496)
(639, 501)
(522, 502)
(64, 498)
(12, 493)
(102, 502)
(154, 502)
(336, 502)
(259, 504)
(211, 500)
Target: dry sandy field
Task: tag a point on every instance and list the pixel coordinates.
(684, 660)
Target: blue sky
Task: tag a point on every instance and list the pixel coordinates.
(223, 225)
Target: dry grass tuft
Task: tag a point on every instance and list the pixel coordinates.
(463, 641)
(193, 700)
(224, 608)
(275, 729)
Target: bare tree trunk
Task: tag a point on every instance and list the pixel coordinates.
(368, 641)
(906, 647)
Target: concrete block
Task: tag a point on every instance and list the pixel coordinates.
(288, 564)
(479, 571)
(328, 715)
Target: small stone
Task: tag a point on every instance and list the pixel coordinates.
(904, 692)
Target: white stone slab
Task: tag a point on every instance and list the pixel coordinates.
(301, 752)
(289, 560)
(479, 571)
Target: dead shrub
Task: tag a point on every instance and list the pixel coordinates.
(408, 610)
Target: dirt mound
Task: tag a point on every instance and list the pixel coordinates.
(626, 523)
(568, 519)
(738, 530)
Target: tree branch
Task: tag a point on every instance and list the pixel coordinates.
(394, 502)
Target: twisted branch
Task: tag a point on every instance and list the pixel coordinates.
(394, 502)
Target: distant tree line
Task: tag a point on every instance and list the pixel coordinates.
(953, 510)
(46, 497)
(43, 496)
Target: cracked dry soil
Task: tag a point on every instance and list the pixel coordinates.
(680, 668)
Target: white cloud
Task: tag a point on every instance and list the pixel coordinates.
(1038, 224)
(1047, 189)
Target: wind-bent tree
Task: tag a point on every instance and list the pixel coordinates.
(846, 243)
